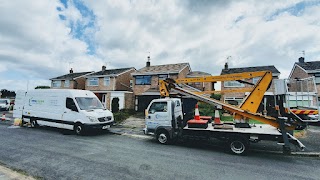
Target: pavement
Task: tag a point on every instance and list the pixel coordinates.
(133, 127)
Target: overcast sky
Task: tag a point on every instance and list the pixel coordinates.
(42, 39)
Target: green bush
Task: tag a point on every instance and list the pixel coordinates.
(122, 115)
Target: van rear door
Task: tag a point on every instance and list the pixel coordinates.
(19, 104)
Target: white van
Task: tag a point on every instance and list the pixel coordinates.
(4, 104)
(76, 110)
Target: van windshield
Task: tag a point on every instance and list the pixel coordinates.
(3, 101)
(87, 103)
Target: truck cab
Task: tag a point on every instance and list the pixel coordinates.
(163, 118)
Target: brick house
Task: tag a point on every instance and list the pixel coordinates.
(146, 81)
(236, 98)
(108, 84)
(70, 81)
(302, 70)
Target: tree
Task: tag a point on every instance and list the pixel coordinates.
(42, 87)
(7, 94)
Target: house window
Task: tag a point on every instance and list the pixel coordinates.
(66, 83)
(143, 80)
(56, 83)
(163, 76)
(93, 82)
(233, 100)
(233, 84)
(255, 80)
(317, 80)
(106, 81)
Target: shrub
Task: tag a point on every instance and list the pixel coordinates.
(115, 105)
(122, 115)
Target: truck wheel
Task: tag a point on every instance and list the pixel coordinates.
(238, 146)
(163, 137)
(33, 123)
(78, 129)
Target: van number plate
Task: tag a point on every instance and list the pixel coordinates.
(105, 127)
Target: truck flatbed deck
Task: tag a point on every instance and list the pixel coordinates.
(256, 129)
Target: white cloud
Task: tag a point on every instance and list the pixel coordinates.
(37, 44)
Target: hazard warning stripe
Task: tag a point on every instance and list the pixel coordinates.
(296, 111)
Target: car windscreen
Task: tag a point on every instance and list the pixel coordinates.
(3, 101)
(87, 103)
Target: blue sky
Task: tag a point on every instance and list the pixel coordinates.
(45, 39)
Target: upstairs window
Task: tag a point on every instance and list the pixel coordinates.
(143, 80)
(317, 80)
(66, 83)
(56, 83)
(106, 81)
(162, 77)
(255, 80)
(93, 82)
(233, 84)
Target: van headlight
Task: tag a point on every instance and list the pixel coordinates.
(92, 119)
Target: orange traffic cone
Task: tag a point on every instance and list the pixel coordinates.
(3, 118)
(217, 117)
(196, 113)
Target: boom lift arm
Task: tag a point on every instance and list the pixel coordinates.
(246, 110)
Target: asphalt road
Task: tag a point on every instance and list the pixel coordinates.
(49, 154)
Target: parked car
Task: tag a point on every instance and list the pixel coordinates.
(4, 104)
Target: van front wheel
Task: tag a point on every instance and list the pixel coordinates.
(163, 137)
(78, 129)
(33, 123)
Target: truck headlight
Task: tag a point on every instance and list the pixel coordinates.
(92, 119)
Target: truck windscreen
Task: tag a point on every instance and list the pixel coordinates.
(87, 103)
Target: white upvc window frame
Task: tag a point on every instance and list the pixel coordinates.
(66, 83)
(93, 79)
(236, 84)
(106, 81)
(56, 83)
(255, 80)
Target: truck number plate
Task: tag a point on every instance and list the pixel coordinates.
(105, 127)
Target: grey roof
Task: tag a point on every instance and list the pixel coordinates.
(310, 66)
(70, 76)
(111, 72)
(197, 74)
(273, 69)
(162, 69)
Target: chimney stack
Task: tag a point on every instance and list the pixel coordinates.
(301, 59)
(71, 71)
(148, 62)
(104, 68)
(226, 66)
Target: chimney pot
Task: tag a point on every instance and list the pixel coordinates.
(148, 62)
(71, 71)
(104, 68)
(301, 59)
(226, 66)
